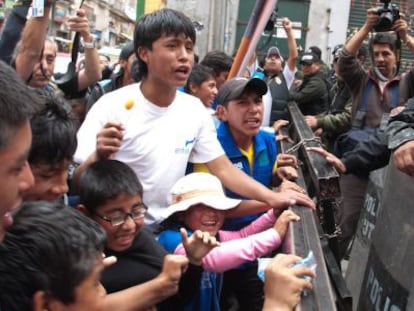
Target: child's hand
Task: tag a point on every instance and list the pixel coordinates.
(282, 223)
(284, 159)
(172, 269)
(287, 172)
(197, 245)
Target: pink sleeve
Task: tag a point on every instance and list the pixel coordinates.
(262, 223)
(239, 247)
(231, 254)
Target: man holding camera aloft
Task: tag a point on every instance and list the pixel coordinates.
(374, 94)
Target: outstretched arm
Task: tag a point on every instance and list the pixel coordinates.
(238, 182)
(31, 44)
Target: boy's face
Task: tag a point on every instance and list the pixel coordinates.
(89, 293)
(205, 218)
(121, 237)
(169, 61)
(244, 115)
(15, 174)
(384, 59)
(50, 182)
(206, 92)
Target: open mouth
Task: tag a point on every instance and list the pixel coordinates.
(253, 121)
(210, 223)
(183, 70)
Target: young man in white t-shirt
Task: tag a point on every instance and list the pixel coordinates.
(157, 130)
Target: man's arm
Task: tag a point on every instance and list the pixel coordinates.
(11, 32)
(242, 184)
(367, 156)
(356, 40)
(31, 44)
(292, 47)
(401, 27)
(92, 72)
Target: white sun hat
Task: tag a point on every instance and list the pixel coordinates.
(198, 188)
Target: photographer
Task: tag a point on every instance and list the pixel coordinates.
(374, 93)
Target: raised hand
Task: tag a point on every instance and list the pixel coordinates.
(198, 245)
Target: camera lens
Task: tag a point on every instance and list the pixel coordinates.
(385, 22)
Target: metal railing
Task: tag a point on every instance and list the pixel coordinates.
(317, 230)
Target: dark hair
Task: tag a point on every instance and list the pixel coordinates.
(164, 22)
(54, 132)
(50, 247)
(108, 58)
(126, 51)
(17, 103)
(218, 61)
(105, 180)
(384, 38)
(198, 75)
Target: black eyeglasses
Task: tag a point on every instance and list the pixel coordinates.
(119, 217)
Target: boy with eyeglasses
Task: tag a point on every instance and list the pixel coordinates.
(111, 194)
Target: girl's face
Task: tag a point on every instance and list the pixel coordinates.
(204, 218)
(206, 91)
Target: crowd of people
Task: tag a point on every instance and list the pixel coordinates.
(160, 185)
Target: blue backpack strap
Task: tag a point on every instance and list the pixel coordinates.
(358, 121)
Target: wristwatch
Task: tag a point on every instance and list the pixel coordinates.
(89, 45)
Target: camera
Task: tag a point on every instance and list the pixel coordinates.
(388, 13)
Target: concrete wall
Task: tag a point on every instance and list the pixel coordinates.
(328, 20)
(219, 18)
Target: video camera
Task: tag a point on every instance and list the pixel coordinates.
(389, 13)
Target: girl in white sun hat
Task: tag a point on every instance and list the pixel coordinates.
(199, 206)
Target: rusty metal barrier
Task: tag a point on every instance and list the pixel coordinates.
(317, 230)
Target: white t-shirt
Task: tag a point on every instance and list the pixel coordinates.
(289, 76)
(158, 142)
